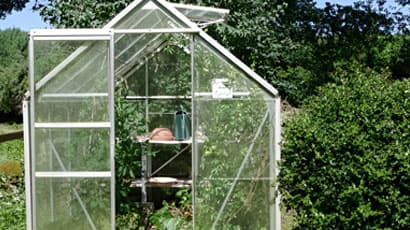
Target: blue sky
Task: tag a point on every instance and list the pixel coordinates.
(27, 19)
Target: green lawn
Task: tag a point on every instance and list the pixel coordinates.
(12, 196)
(11, 150)
(5, 128)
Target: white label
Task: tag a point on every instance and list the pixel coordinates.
(220, 90)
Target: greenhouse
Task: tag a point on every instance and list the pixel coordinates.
(154, 86)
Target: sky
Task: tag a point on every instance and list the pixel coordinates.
(27, 19)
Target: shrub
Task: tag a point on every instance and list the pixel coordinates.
(10, 168)
(346, 156)
(174, 216)
(12, 203)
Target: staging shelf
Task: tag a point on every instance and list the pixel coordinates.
(173, 142)
(177, 183)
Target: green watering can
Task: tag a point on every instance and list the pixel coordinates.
(181, 125)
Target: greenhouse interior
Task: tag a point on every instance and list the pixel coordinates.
(149, 104)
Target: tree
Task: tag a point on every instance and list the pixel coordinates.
(81, 13)
(13, 69)
(293, 45)
(7, 6)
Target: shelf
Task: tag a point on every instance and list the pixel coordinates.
(174, 142)
(158, 97)
(179, 183)
(179, 97)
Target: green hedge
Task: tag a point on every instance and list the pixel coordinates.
(346, 156)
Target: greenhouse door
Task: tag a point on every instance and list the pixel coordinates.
(71, 130)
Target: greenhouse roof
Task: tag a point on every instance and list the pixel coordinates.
(148, 21)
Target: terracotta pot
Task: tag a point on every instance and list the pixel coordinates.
(161, 134)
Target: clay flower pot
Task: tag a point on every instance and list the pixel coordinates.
(161, 134)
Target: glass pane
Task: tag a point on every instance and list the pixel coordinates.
(79, 66)
(72, 150)
(71, 203)
(148, 16)
(209, 66)
(160, 61)
(233, 149)
(201, 15)
(48, 54)
(230, 128)
(169, 69)
(162, 113)
(131, 50)
(248, 206)
(71, 109)
(75, 89)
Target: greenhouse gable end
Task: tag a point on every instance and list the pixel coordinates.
(213, 123)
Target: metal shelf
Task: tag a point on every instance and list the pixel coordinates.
(173, 142)
(179, 183)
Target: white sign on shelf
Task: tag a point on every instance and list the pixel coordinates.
(220, 90)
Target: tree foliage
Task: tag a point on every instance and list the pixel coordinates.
(292, 44)
(346, 154)
(13, 69)
(7, 6)
(80, 13)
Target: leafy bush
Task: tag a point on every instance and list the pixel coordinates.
(175, 216)
(10, 168)
(127, 221)
(129, 121)
(12, 203)
(346, 155)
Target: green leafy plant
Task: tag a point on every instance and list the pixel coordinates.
(129, 122)
(346, 154)
(12, 202)
(175, 215)
(130, 220)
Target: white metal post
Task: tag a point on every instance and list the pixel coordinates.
(27, 166)
(111, 93)
(31, 131)
(277, 157)
(194, 128)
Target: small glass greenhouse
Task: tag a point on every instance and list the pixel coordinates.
(224, 119)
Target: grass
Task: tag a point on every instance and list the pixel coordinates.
(12, 195)
(6, 128)
(11, 150)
